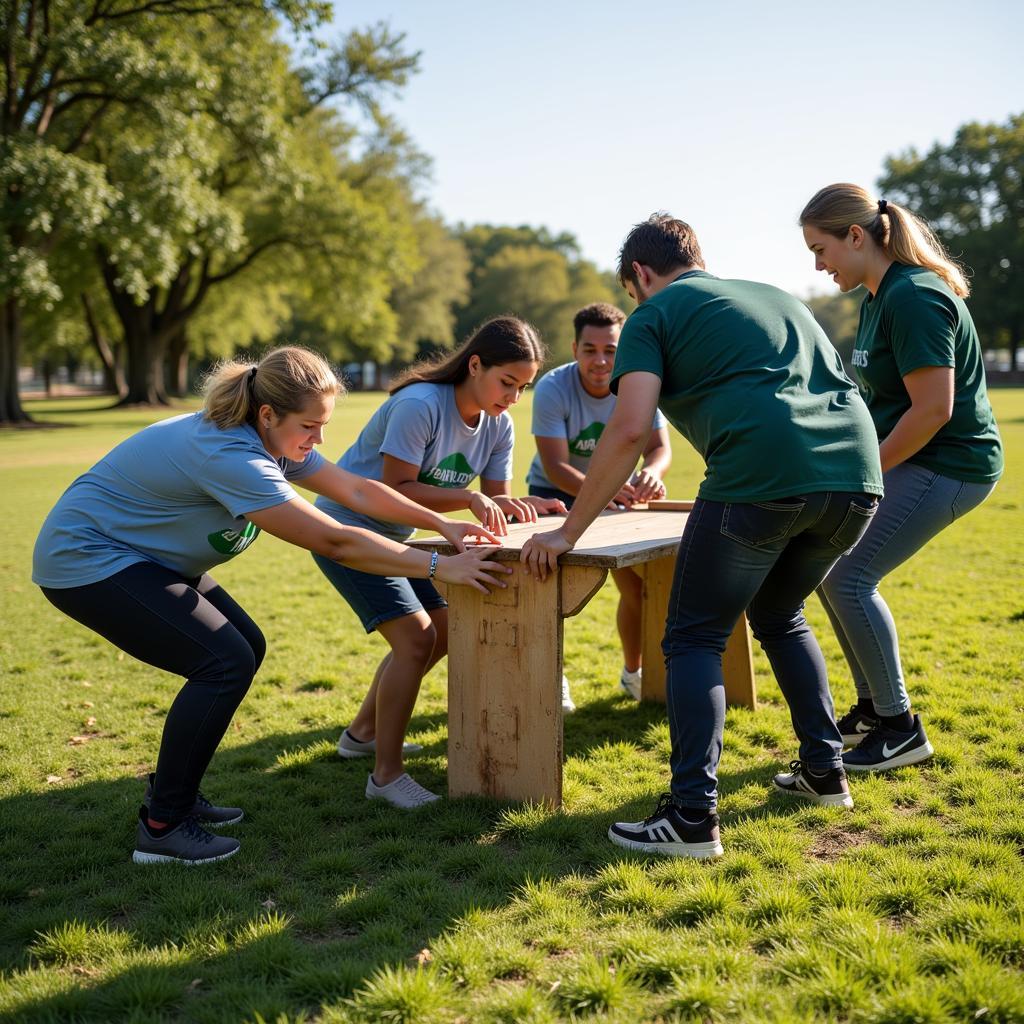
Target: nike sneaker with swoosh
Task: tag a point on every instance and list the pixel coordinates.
(667, 832)
(829, 788)
(855, 725)
(883, 749)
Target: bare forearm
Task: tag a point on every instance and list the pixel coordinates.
(382, 502)
(565, 477)
(370, 552)
(440, 499)
(913, 430)
(611, 465)
(658, 461)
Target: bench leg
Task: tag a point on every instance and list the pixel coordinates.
(504, 691)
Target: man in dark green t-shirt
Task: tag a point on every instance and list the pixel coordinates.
(745, 374)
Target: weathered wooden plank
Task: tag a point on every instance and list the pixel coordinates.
(579, 584)
(614, 539)
(504, 694)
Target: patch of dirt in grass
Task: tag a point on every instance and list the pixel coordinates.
(340, 933)
(832, 843)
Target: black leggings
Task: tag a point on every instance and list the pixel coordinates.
(192, 628)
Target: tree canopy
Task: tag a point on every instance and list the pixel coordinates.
(971, 192)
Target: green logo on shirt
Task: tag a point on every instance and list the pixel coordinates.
(231, 542)
(584, 443)
(454, 471)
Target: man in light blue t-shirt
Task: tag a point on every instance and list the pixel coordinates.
(571, 406)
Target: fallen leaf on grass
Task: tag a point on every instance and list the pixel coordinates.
(268, 904)
(77, 741)
(87, 704)
(424, 956)
(91, 720)
(194, 984)
(51, 779)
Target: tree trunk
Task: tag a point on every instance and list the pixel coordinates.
(47, 376)
(10, 347)
(113, 373)
(177, 364)
(145, 375)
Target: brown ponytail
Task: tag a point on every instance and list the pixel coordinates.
(901, 235)
(285, 379)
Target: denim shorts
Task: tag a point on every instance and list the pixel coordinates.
(377, 599)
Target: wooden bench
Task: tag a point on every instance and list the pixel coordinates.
(505, 651)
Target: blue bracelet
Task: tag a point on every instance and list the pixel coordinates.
(433, 565)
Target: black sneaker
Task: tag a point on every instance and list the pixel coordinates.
(187, 843)
(667, 832)
(203, 811)
(829, 789)
(884, 748)
(855, 725)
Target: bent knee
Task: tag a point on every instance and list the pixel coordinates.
(416, 644)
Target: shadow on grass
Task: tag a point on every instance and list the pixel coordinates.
(328, 887)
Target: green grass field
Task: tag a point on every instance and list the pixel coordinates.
(908, 909)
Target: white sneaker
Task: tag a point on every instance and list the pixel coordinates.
(349, 746)
(404, 792)
(629, 682)
(568, 707)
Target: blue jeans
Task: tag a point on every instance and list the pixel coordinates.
(766, 558)
(918, 504)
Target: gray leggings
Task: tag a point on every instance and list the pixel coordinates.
(918, 504)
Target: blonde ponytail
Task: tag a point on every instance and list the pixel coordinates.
(285, 379)
(901, 235)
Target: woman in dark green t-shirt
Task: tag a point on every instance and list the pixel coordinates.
(918, 363)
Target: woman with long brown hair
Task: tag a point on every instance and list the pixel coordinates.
(445, 423)
(917, 360)
(127, 551)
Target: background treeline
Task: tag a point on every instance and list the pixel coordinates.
(179, 182)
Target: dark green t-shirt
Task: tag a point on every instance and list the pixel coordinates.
(752, 382)
(913, 321)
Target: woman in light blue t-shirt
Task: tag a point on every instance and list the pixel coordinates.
(127, 549)
(445, 424)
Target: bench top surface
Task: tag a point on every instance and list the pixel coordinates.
(613, 541)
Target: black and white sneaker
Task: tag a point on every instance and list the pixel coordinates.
(884, 748)
(667, 832)
(203, 811)
(855, 725)
(187, 843)
(829, 789)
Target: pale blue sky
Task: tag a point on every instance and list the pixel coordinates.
(589, 116)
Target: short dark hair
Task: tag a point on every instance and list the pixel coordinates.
(597, 314)
(662, 243)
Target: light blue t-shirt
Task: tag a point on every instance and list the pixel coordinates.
(175, 493)
(421, 425)
(562, 407)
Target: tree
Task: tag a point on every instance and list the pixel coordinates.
(971, 192)
(67, 68)
(259, 169)
(534, 274)
(425, 304)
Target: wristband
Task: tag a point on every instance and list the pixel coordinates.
(433, 565)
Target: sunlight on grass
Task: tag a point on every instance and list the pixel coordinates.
(910, 908)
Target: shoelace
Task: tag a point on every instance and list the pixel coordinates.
(202, 801)
(193, 830)
(665, 802)
(796, 767)
(407, 784)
